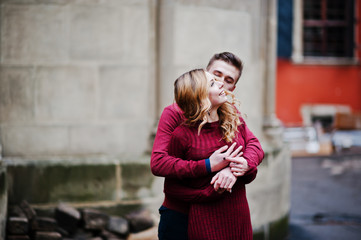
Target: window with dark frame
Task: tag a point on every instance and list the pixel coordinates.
(328, 28)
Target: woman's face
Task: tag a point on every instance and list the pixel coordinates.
(216, 93)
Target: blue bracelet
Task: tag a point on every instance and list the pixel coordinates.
(208, 165)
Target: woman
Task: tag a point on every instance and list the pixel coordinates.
(211, 121)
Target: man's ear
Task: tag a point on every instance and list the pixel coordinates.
(234, 87)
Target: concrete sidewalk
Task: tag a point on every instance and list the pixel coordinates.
(326, 198)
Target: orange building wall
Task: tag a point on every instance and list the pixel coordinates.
(305, 84)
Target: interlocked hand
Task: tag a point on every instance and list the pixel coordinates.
(224, 180)
(218, 158)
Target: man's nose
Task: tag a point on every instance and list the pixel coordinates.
(220, 83)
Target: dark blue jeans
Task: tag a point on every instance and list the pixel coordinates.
(173, 225)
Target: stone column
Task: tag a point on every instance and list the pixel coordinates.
(271, 124)
(297, 56)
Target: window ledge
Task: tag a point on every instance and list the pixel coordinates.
(326, 61)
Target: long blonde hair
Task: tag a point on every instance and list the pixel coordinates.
(191, 95)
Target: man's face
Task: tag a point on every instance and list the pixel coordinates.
(226, 72)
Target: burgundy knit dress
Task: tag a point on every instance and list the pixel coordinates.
(225, 217)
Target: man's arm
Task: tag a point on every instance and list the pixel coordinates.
(199, 189)
(245, 165)
(249, 176)
(253, 151)
(161, 163)
(239, 167)
(164, 165)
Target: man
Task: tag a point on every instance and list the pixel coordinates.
(228, 68)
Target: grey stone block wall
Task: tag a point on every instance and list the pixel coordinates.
(75, 78)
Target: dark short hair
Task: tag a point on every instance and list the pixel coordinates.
(228, 58)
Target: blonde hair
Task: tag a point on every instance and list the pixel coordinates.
(191, 95)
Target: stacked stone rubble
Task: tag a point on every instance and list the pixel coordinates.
(24, 223)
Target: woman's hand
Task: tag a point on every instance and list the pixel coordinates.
(239, 166)
(224, 180)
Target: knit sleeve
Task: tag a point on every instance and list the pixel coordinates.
(183, 189)
(253, 151)
(178, 143)
(164, 165)
(249, 176)
(174, 188)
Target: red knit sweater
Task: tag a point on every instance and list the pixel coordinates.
(218, 216)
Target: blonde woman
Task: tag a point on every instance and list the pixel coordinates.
(215, 205)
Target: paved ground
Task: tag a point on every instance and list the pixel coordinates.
(326, 198)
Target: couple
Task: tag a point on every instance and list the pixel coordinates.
(207, 154)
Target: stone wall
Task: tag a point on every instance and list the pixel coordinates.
(76, 77)
(269, 195)
(192, 31)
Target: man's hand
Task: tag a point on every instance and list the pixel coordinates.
(224, 180)
(218, 158)
(239, 165)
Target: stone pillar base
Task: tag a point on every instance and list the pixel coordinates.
(97, 182)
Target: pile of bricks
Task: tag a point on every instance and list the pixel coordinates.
(71, 223)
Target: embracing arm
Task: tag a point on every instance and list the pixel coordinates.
(253, 151)
(196, 189)
(165, 165)
(174, 188)
(245, 165)
(161, 163)
(249, 176)
(210, 191)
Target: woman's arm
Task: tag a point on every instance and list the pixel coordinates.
(165, 165)
(174, 188)
(224, 180)
(178, 189)
(196, 189)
